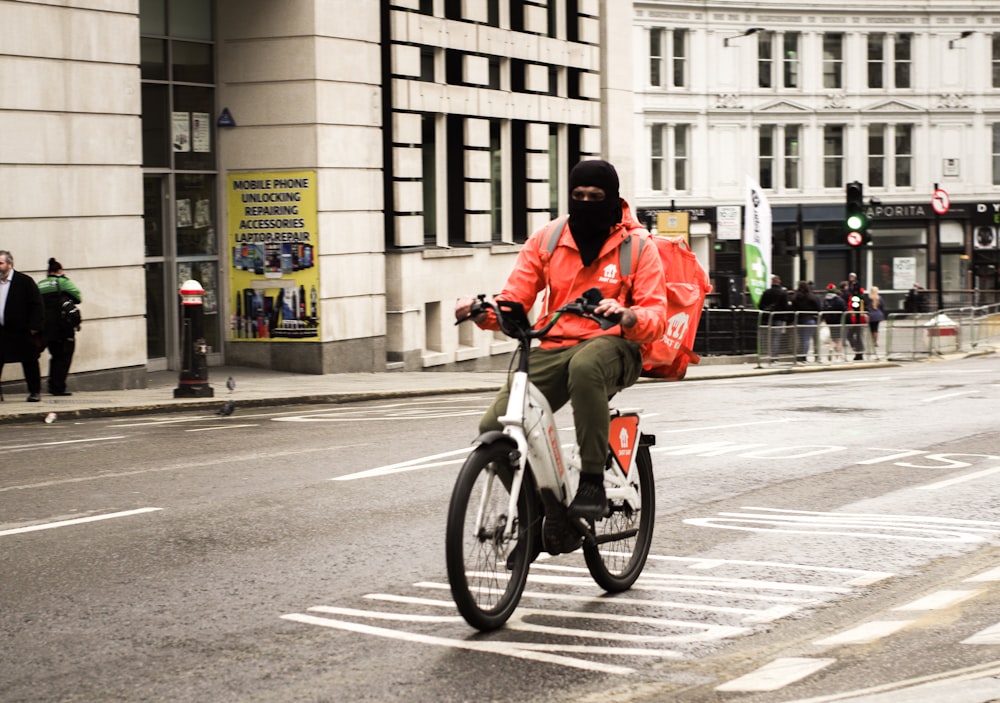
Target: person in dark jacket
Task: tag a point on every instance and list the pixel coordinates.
(806, 306)
(834, 308)
(775, 301)
(60, 335)
(21, 322)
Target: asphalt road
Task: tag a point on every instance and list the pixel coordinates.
(818, 535)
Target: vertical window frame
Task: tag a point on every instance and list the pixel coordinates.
(766, 156)
(902, 61)
(877, 155)
(903, 156)
(833, 156)
(790, 66)
(792, 157)
(833, 60)
(875, 60)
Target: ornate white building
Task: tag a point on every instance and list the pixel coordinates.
(805, 97)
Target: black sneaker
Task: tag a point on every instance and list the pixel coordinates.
(34, 398)
(590, 501)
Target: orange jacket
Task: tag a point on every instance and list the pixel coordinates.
(566, 278)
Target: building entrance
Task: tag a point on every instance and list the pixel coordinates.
(179, 171)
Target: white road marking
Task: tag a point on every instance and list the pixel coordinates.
(509, 649)
(958, 479)
(906, 527)
(411, 465)
(776, 674)
(39, 445)
(729, 425)
(990, 575)
(935, 398)
(940, 600)
(979, 671)
(991, 635)
(232, 459)
(220, 427)
(865, 634)
(865, 577)
(76, 521)
(750, 615)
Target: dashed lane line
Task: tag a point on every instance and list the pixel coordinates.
(777, 674)
(75, 521)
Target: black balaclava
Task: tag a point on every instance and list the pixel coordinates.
(590, 222)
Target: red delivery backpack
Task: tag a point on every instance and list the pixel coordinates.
(687, 286)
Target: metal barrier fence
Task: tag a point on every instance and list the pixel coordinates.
(786, 338)
(912, 335)
(814, 338)
(727, 331)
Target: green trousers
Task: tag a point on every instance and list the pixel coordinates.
(587, 375)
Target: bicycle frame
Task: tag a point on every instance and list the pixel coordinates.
(528, 420)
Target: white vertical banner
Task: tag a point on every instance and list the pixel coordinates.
(757, 241)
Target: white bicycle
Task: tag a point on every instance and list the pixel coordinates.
(518, 476)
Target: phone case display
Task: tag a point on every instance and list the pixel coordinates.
(275, 280)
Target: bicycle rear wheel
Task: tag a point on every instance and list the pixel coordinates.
(624, 535)
(487, 568)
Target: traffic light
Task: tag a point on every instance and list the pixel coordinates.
(855, 220)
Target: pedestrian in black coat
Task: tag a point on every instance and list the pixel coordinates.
(21, 321)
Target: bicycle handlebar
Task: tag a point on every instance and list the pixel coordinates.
(513, 319)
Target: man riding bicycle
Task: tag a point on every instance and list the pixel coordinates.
(578, 361)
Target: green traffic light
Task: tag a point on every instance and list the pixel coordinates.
(855, 222)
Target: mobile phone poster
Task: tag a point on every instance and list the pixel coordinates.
(272, 235)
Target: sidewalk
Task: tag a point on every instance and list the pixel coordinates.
(267, 388)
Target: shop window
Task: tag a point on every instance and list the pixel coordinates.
(153, 17)
(190, 19)
(153, 59)
(155, 131)
(194, 202)
(191, 62)
(193, 128)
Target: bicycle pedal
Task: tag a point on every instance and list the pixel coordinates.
(559, 536)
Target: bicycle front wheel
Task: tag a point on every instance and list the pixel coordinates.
(487, 563)
(623, 537)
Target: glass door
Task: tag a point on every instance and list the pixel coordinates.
(180, 176)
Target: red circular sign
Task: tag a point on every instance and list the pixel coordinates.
(854, 239)
(940, 202)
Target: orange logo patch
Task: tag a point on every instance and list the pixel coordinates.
(623, 438)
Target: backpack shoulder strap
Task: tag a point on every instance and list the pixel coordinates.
(551, 237)
(628, 260)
